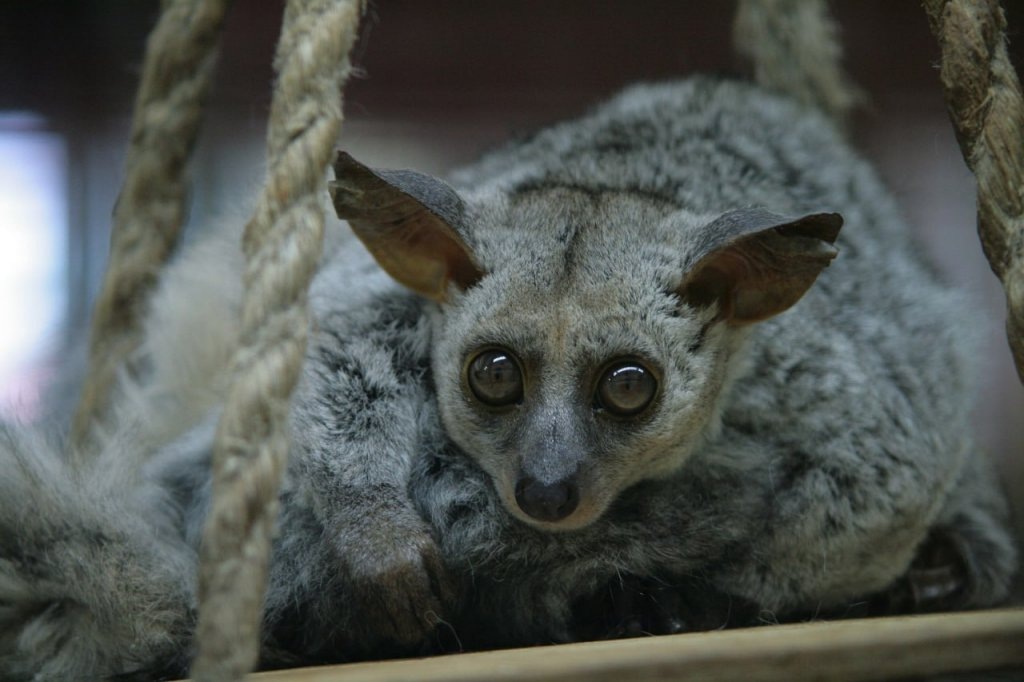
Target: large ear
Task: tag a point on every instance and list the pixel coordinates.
(756, 264)
(409, 222)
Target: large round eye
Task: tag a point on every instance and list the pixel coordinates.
(626, 388)
(495, 378)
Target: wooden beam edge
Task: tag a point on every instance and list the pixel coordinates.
(865, 649)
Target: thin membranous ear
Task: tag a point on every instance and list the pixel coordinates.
(408, 221)
(756, 264)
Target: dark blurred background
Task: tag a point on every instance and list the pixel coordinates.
(437, 82)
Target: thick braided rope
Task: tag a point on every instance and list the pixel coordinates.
(282, 244)
(984, 99)
(178, 68)
(794, 48)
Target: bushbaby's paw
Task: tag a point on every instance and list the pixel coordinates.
(645, 607)
(938, 579)
(632, 606)
(399, 583)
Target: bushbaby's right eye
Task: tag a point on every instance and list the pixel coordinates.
(495, 378)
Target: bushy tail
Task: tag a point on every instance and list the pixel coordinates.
(94, 581)
(795, 50)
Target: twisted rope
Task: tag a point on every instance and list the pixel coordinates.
(794, 47)
(985, 104)
(180, 56)
(282, 244)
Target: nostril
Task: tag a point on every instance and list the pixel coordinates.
(547, 501)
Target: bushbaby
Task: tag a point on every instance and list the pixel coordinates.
(683, 346)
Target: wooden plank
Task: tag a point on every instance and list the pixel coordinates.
(867, 649)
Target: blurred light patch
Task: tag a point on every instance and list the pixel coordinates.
(33, 259)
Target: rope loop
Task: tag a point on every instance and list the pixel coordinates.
(985, 104)
(177, 72)
(282, 244)
(795, 50)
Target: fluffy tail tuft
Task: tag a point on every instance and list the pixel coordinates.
(93, 582)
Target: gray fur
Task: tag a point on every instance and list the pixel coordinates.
(94, 577)
(794, 465)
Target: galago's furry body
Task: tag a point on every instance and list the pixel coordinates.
(794, 465)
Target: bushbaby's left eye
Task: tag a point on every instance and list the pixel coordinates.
(626, 389)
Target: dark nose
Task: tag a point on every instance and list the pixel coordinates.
(547, 502)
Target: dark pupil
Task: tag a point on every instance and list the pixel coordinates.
(626, 389)
(495, 379)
